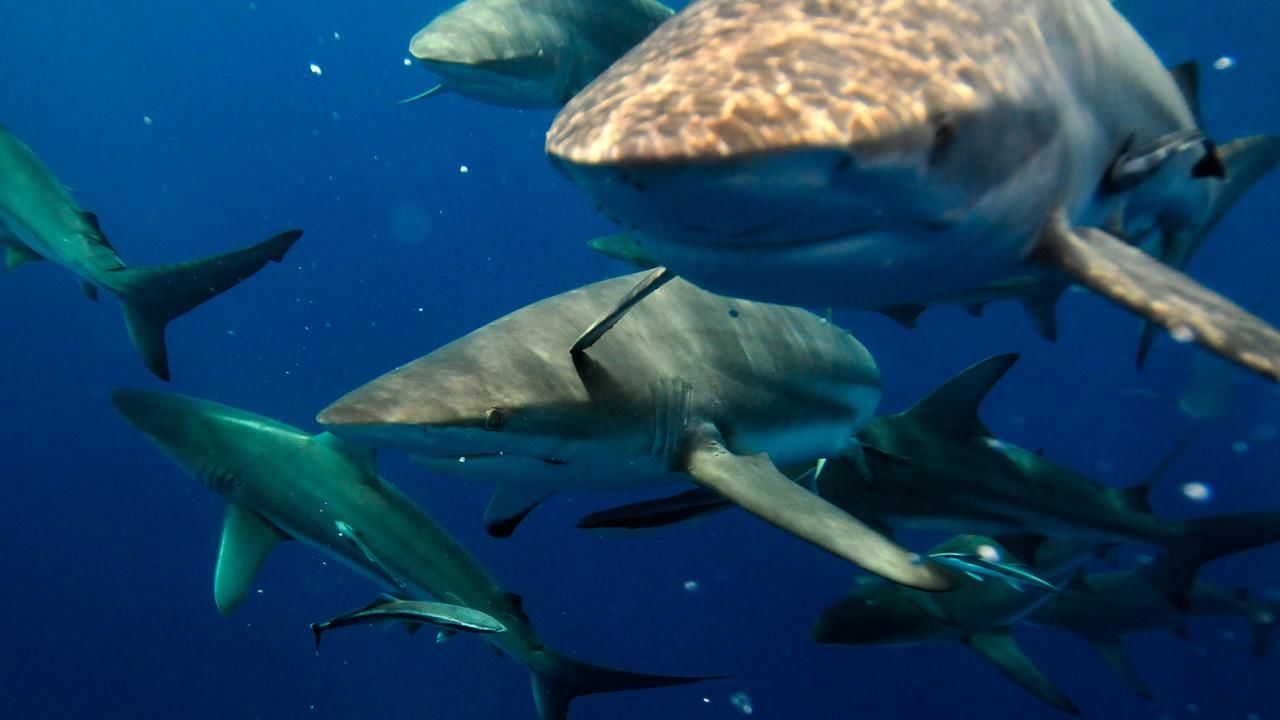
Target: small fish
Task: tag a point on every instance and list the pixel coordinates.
(452, 618)
(985, 563)
(348, 533)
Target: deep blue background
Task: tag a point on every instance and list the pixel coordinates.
(106, 549)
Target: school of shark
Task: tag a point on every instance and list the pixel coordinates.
(765, 161)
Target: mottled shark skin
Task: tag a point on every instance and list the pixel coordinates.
(689, 386)
(39, 220)
(530, 53)
(877, 153)
(281, 483)
(978, 614)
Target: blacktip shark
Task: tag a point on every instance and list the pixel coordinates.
(688, 386)
(414, 614)
(281, 483)
(529, 53)
(876, 153)
(39, 220)
(936, 467)
(1103, 608)
(977, 613)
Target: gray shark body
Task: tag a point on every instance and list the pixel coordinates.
(689, 386)
(281, 483)
(39, 220)
(869, 153)
(530, 53)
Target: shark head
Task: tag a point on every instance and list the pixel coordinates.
(875, 613)
(215, 443)
(774, 124)
(496, 53)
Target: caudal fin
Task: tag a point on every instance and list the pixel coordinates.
(558, 679)
(1206, 539)
(152, 296)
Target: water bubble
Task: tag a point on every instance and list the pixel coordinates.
(691, 586)
(464, 169)
(146, 120)
(742, 701)
(1226, 62)
(408, 62)
(1197, 492)
(315, 70)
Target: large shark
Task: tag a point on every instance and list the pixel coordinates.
(688, 386)
(936, 467)
(875, 153)
(529, 53)
(1104, 608)
(39, 220)
(281, 483)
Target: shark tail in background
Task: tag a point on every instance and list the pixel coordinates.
(558, 679)
(153, 296)
(1263, 617)
(1206, 539)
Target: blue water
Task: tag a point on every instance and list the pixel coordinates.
(106, 548)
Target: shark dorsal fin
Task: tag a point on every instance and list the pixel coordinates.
(247, 539)
(953, 408)
(361, 456)
(1187, 77)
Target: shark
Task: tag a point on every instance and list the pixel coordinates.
(529, 53)
(935, 467)
(689, 386)
(877, 153)
(982, 615)
(281, 484)
(39, 220)
(1103, 608)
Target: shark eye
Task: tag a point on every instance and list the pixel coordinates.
(493, 419)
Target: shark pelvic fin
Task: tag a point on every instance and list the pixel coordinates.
(422, 95)
(907, 315)
(16, 255)
(90, 290)
(1001, 650)
(509, 505)
(757, 486)
(1141, 283)
(624, 247)
(953, 407)
(247, 539)
(658, 512)
(643, 289)
(1112, 651)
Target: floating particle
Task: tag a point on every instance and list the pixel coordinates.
(337, 36)
(1226, 62)
(1182, 334)
(1266, 432)
(988, 552)
(742, 701)
(462, 459)
(706, 700)
(1197, 492)
(146, 120)
(315, 70)
(335, 115)
(463, 169)
(1252, 716)
(691, 586)
(408, 62)
(1240, 447)
(1017, 420)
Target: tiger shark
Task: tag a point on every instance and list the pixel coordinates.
(878, 153)
(688, 386)
(281, 483)
(39, 220)
(529, 53)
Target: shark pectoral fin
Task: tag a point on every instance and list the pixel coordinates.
(422, 95)
(90, 290)
(1001, 650)
(659, 512)
(1113, 653)
(643, 289)
(247, 539)
(509, 505)
(15, 255)
(754, 484)
(1159, 293)
(624, 247)
(953, 407)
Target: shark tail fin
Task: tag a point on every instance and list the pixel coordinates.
(1206, 539)
(558, 679)
(153, 296)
